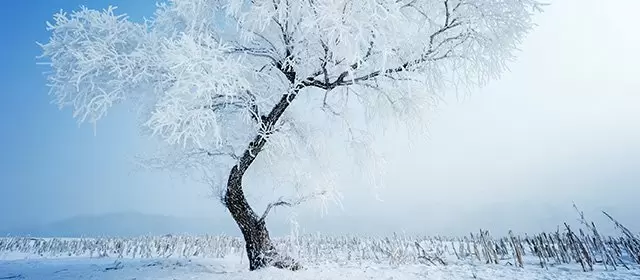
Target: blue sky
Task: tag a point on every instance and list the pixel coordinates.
(561, 126)
(51, 168)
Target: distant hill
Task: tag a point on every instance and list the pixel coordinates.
(124, 225)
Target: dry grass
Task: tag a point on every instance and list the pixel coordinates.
(588, 248)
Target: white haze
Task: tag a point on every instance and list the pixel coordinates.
(561, 126)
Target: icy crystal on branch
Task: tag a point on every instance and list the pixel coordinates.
(211, 74)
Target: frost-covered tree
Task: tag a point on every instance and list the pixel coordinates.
(218, 78)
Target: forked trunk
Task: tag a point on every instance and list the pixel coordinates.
(260, 249)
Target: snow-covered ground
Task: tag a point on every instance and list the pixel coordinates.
(233, 268)
(323, 257)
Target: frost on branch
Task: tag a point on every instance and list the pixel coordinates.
(96, 61)
(211, 72)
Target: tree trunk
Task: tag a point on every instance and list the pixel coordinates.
(260, 249)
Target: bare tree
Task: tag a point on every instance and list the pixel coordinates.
(218, 77)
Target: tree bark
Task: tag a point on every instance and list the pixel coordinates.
(259, 248)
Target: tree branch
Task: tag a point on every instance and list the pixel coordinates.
(281, 202)
(259, 52)
(449, 24)
(274, 204)
(268, 122)
(212, 154)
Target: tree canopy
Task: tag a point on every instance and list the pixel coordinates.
(216, 77)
